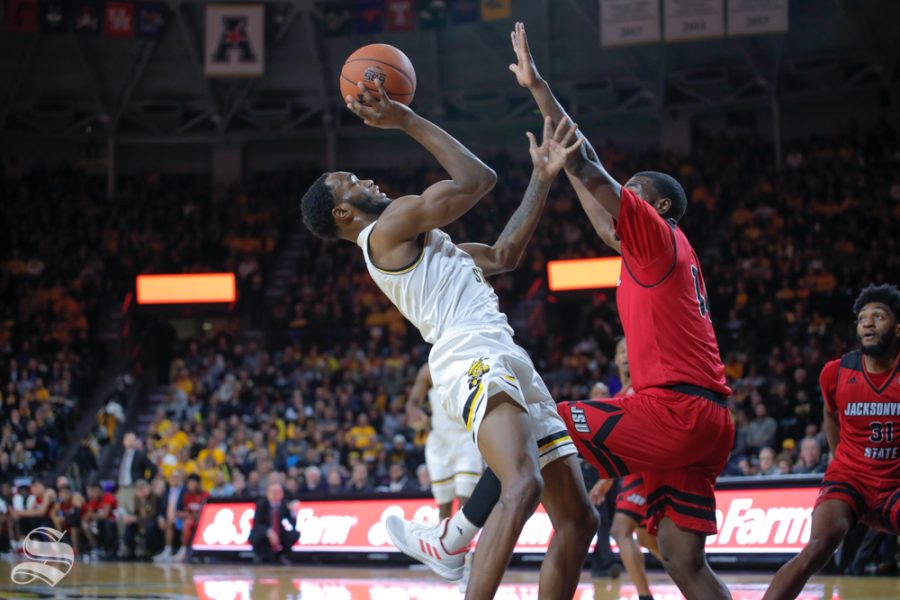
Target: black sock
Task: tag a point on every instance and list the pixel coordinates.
(647, 597)
(485, 495)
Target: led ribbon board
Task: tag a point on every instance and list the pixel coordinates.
(187, 288)
(584, 273)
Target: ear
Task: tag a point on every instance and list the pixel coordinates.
(663, 206)
(342, 214)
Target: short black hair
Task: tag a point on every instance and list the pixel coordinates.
(668, 187)
(316, 205)
(886, 294)
(194, 477)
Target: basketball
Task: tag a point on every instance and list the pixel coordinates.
(379, 62)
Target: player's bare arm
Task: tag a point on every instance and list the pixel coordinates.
(547, 160)
(832, 428)
(597, 189)
(443, 202)
(417, 394)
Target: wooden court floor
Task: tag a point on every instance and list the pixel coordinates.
(245, 582)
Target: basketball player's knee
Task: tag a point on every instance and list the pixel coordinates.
(524, 492)
(589, 522)
(682, 562)
(620, 531)
(820, 549)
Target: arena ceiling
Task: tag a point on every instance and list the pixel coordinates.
(80, 87)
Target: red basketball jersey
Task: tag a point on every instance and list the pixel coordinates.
(868, 408)
(663, 304)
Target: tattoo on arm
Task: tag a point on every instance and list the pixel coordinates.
(522, 224)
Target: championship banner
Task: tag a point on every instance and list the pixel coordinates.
(693, 20)
(235, 41)
(625, 22)
(751, 17)
(760, 521)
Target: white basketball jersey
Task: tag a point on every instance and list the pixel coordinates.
(442, 291)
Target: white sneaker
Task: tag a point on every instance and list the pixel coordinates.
(164, 556)
(180, 556)
(423, 543)
(463, 583)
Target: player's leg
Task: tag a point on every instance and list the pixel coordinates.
(508, 447)
(831, 520)
(574, 524)
(623, 528)
(650, 542)
(684, 558)
(445, 510)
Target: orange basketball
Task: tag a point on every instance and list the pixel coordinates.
(379, 61)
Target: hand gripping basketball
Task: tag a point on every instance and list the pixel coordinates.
(382, 112)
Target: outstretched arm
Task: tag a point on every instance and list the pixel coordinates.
(443, 202)
(548, 159)
(598, 186)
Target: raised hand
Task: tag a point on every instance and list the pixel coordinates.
(557, 146)
(525, 70)
(382, 112)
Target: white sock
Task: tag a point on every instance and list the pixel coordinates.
(460, 532)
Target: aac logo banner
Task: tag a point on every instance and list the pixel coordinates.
(56, 558)
(235, 41)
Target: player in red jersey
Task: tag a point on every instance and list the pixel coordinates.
(862, 422)
(631, 502)
(675, 429)
(194, 498)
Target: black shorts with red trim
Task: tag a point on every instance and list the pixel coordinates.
(875, 502)
(679, 442)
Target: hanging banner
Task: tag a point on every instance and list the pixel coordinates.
(234, 40)
(22, 16)
(87, 17)
(624, 22)
(494, 10)
(54, 17)
(693, 20)
(751, 17)
(118, 20)
(400, 15)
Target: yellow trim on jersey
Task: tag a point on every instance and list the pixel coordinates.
(474, 408)
(557, 442)
(509, 378)
(405, 269)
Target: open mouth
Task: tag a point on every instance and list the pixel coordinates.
(869, 337)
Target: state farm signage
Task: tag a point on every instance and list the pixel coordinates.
(761, 520)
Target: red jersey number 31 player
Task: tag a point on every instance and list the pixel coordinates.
(862, 421)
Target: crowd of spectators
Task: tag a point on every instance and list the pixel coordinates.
(69, 256)
(319, 404)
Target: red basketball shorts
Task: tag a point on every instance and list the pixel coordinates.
(678, 442)
(632, 498)
(875, 501)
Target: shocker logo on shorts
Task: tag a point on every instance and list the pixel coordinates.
(476, 372)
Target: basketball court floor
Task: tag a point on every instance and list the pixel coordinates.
(245, 582)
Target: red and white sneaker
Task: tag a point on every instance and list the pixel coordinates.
(423, 543)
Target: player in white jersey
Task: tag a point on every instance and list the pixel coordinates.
(453, 461)
(484, 378)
